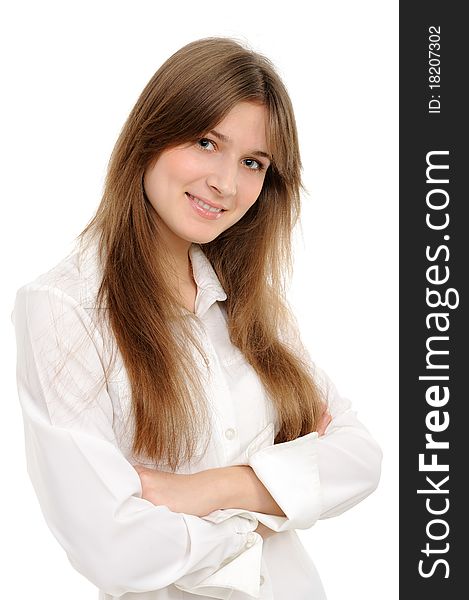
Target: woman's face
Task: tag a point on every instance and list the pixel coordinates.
(200, 189)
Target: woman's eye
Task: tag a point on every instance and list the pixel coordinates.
(204, 143)
(254, 165)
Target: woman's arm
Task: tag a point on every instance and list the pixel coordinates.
(206, 491)
(202, 493)
(288, 485)
(292, 484)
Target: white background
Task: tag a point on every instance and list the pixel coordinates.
(72, 71)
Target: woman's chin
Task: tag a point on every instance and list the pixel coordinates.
(204, 239)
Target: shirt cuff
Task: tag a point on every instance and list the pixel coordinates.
(290, 472)
(241, 571)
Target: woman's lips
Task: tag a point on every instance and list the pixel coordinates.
(201, 211)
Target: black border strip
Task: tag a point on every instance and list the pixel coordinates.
(434, 268)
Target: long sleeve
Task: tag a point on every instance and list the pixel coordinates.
(89, 493)
(315, 477)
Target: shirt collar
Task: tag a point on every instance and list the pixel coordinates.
(209, 289)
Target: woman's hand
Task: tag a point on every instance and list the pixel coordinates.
(323, 422)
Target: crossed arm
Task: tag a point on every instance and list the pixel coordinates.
(103, 511)
(206, 491)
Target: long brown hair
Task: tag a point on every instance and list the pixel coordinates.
(189, 95)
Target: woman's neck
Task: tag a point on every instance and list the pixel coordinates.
(180, 267)
(177, 250)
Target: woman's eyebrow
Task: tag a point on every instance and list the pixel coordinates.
(225, 138)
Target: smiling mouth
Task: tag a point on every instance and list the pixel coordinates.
(204, 205)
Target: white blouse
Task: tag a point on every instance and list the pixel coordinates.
(79, 455)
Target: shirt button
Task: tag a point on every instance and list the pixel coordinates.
(261, 579)
(230, 433)
(251, 539)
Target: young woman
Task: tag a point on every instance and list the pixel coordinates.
(177, 432)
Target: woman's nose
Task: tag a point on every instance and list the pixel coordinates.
(223, 178)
